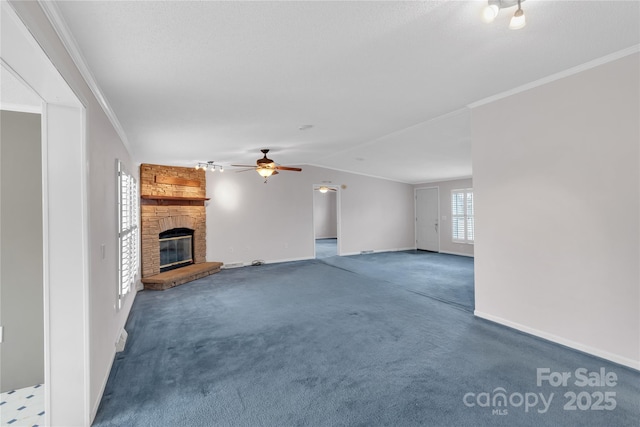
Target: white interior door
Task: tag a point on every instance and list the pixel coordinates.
(427, 212)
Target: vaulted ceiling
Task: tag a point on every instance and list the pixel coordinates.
(385, 85)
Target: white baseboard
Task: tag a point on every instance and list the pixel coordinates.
(377, 251)
(239, 264)
(621, 360)
(228, 265)
(96, 404)
(456, 253)
(278, 261)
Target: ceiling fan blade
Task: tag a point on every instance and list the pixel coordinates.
(244, 166)
(244, 170)
(286, 168)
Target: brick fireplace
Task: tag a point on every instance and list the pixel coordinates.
(172, 198)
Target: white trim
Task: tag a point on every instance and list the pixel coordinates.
(86, 300)
(443, 180)
(354, 173)
(278, 261)
(557, 76)
(240, 264)
(634, 364)
(377, 251)
(230, 265)
(20, 108)
(62, 30)
(96, 404)
(457, 253)
(45, 267)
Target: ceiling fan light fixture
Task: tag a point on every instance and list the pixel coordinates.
(518, 20)
(264, 172)
(323, 189)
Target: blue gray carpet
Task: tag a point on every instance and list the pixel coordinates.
(309, 344)
(326, 248)
(447, 278)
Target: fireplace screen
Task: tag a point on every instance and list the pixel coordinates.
(175, 252)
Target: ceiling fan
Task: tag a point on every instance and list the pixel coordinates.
(267, 167)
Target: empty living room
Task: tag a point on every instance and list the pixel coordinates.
(319, 213)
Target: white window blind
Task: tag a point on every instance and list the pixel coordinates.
(128, 235)
(462, 220)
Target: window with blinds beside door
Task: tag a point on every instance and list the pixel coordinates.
(128, 235)
(462, 222)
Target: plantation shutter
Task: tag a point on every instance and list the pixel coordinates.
(128, 235)
(462, 219)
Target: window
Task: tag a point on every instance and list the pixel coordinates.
(462, 224)
(128, 234)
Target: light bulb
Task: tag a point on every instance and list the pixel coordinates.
(221, 169)
(323, 189)
(518, 21)
(490, 12)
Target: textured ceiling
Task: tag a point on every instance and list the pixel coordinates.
(384, 84)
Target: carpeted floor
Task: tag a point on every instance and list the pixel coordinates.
(307, 343)
(447, 278)
(326, 248)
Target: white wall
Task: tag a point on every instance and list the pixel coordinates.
(325, 215)
(21, 285)
(447, 245)
(103, 147)
(556, 184)
(248, 220)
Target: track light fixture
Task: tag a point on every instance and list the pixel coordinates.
(490, 12)
(210, 165)
(518, 20)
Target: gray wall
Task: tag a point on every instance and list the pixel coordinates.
(556, 184)
(249, 220)
(21, 288)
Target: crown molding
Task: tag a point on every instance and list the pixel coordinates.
(315, 165)
(68, 40)
(562, 74)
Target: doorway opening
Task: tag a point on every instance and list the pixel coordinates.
(22, 351)
(64, 233)
(326, 220)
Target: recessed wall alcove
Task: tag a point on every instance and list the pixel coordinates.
(172, 198)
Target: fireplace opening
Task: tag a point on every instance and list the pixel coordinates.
(176, 248)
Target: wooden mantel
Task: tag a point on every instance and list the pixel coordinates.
(163, 197)
(164, 200)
